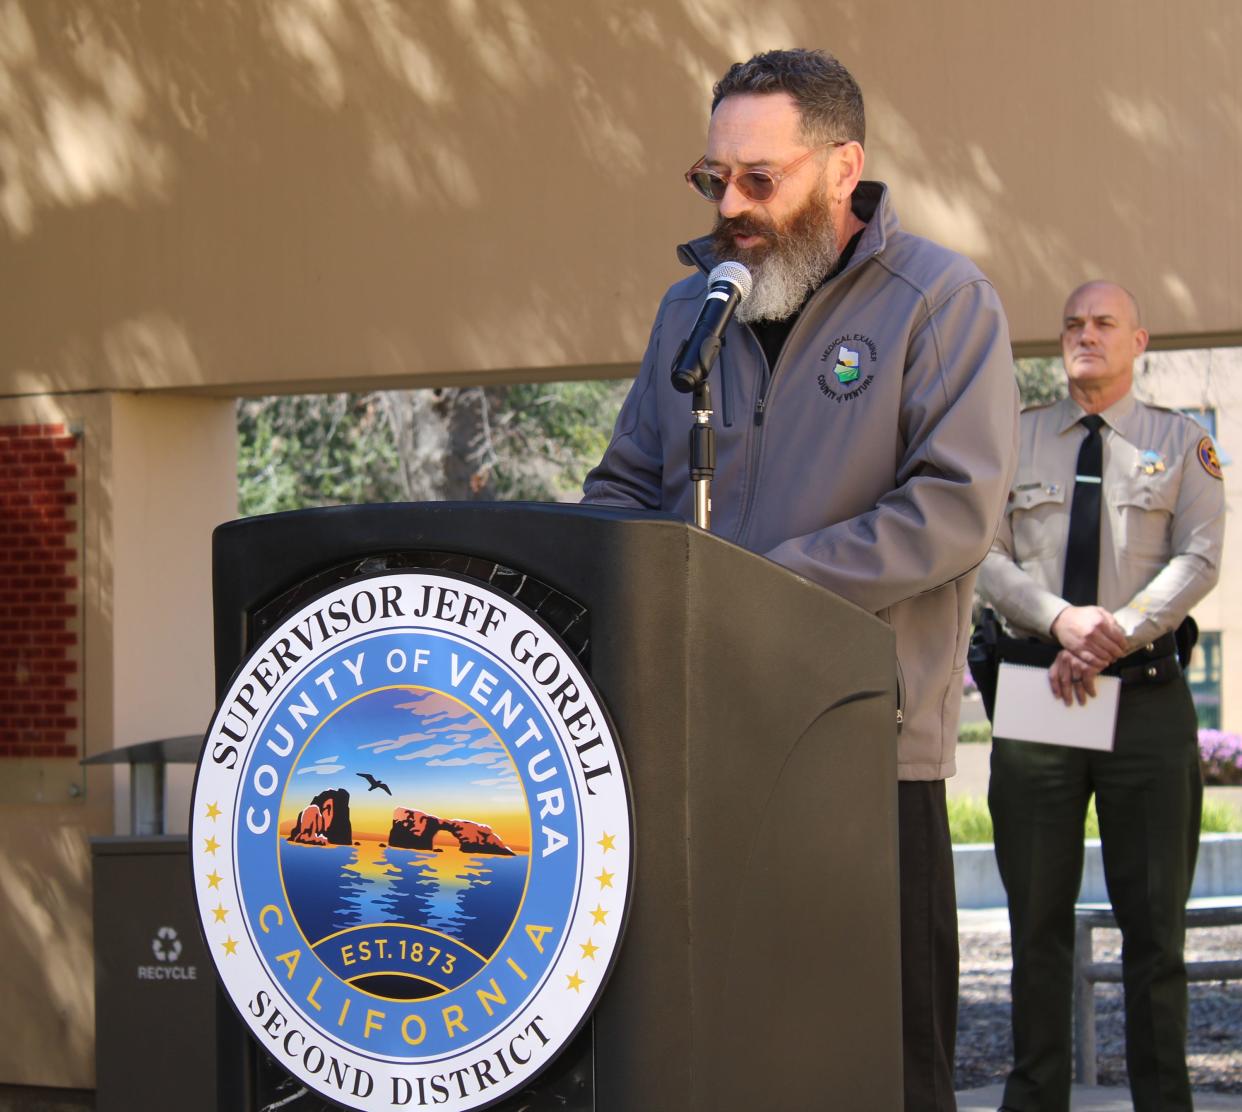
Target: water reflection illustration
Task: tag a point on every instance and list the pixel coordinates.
(470, 898)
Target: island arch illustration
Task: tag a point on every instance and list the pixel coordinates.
(406, 873)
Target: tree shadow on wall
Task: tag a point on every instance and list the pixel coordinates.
(308, 191)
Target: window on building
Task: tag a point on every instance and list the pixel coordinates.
(1204, 678)
(1205, 417)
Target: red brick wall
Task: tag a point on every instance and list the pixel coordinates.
(40, 592)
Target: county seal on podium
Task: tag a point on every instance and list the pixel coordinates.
(411, 843)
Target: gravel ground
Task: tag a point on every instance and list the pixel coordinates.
(984, 1047)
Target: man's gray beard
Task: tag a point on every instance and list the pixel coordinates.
(790, 266)
(785, 279)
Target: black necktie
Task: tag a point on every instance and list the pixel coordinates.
(1082, 553)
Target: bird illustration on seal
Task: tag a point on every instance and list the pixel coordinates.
(374, 782)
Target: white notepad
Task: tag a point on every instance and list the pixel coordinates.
(1026, 710)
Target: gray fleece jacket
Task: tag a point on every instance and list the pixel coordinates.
(875, 458)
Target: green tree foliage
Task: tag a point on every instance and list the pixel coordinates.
(314, 450)
(548, 435)
(532, 441)
(1040, 380)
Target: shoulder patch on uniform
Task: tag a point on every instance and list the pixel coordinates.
(1206, 451)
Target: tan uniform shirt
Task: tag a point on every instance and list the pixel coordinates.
(1162, 520)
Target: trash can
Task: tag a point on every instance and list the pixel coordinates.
(155, 990)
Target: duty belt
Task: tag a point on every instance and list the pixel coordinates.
(1155, 662)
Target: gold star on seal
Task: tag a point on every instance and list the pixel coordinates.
(213, 879)
(210, 845)
(230, 945)
(607, 842)
(605, 878)
(213, 811)
(599, 915)
(220, 912)
(575, 982)
(589, 949)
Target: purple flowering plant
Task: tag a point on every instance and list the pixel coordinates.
(1221, 757)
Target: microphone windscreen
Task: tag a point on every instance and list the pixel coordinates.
(732, 272)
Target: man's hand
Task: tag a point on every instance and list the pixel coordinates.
(1091, 634)
(1070, 679)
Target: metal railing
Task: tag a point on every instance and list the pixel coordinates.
(1088, 972)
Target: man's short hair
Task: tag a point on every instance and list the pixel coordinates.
(829, 101)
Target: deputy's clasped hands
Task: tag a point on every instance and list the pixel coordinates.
(1091, 639)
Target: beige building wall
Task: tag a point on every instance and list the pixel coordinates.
(51, 808)
(286, 195)
(1212, 380)
(174, 468)
(158, 475)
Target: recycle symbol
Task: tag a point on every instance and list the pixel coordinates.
(166, 946)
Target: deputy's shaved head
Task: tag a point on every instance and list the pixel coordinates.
(1100, 339)
(1102, 284)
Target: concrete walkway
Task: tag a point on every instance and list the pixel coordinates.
(1093, 1099)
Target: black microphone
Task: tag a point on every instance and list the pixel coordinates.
(728, 285)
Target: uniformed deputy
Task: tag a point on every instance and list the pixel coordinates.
(1113, 533)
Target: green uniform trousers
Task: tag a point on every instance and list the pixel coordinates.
(1149, 793)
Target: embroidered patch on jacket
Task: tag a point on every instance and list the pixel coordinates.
(1208, 458)
(846, 369)
(847, 381)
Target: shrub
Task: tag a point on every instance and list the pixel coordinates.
(1091, 828)
(969, 733)
(970, 823)
(1219, 818)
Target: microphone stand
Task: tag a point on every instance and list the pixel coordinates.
(702, 435)
(702, 456)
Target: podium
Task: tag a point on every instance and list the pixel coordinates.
(757, 714)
